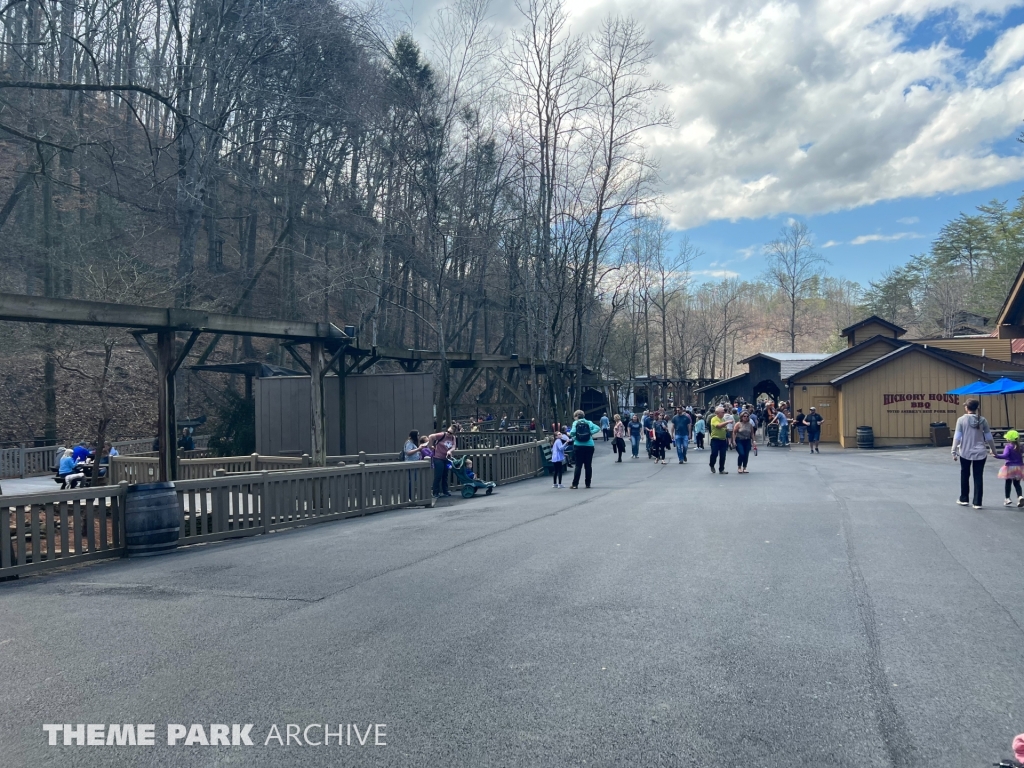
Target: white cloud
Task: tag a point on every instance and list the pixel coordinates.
(908, 220)
(750, 251)
(718, 274)
(862, 239)
(810, 106)
(831, 244)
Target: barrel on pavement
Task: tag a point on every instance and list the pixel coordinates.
(151, 519)
(865, 437)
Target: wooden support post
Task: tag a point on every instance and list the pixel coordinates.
(166, 425)
(318, 431)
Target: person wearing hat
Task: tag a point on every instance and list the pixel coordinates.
(1013, 470)
(813, 422)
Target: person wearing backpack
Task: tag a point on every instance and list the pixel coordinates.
(972, 443)
(582, 436)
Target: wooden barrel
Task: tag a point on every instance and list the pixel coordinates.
(151, 519)
(865, 437)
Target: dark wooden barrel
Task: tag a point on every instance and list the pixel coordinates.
(865, 437)
(151, 519)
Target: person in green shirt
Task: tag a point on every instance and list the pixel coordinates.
(582, 435)
(719, 440)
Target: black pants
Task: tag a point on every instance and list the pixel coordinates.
(700, 440)
(1015, 484)
(619, 446)
(584, 459)
(968, 468)
(719, 450)
(742, 453)
(556, 472)
(440, 476)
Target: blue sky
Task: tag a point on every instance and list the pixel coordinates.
(874, 121)
(735, 246)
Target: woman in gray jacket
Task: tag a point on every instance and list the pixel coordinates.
(972, 443)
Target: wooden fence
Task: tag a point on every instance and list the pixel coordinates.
(49, 530)
(32, 462)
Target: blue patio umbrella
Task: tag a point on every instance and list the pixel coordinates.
(1003, 386)
(969, 389)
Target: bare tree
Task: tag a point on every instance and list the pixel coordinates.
(794, 269)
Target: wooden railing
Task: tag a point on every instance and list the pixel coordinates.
(495, 439)
(230, 506)
(32, 462)
(50, 530)
(505, 465)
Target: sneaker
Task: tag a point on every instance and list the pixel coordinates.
(561, 486)
(681, 461)
(446, 494)
(435, 495)
(975, 506)
(723, 472)
(961, 503)
(712, 470)
(1020, 501)
(817, 451)
(574, 488)
(1007, 503)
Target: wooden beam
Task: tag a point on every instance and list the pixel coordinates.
(296, 357)
(317, 426)
(39, 309)
(512, 391)
(166, 424)
(1011, 331)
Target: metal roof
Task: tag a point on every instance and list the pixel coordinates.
(791, 363)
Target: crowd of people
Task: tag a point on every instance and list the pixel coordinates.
(726, 427)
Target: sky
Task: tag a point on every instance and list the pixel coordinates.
(873, 121)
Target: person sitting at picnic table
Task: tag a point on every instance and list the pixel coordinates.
(185, 442)
(66, 471)
(80, 452)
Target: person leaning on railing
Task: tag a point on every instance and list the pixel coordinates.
(443, 445)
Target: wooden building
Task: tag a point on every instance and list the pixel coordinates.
(897, 387)
(767, 373)
(380, 410)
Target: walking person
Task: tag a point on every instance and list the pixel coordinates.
(1013, 470)
(719, 440)
(619, 438)
(972, 442)
(635, 430)
(699, 428)
(813, 422)
(442, 446)
(801, 425)
(681, 424)
(606, 427)
(582, 436)
(662, 438)
(648, 422)
(743, 435)
(558, 458)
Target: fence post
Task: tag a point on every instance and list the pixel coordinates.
(21, 460)
(362, 483)
(307, 461)
(254, 462)
(122, 496)
(264, 500)
(499, 475)
(219, 497)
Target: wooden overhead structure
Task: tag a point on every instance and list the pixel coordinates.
(1010, 323)
(167, 354)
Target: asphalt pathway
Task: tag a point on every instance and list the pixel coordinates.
(825, 610)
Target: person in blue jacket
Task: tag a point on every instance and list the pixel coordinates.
(582, 436)
(635, 430)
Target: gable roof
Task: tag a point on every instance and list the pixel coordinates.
(720, 382)
(876, 320)
(907, 349)
(838, 356)
(1013, 308)
(790, 363)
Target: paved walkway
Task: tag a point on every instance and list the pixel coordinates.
(828, 610)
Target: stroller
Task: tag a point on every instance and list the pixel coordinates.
(469, 485)
(772, 431)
